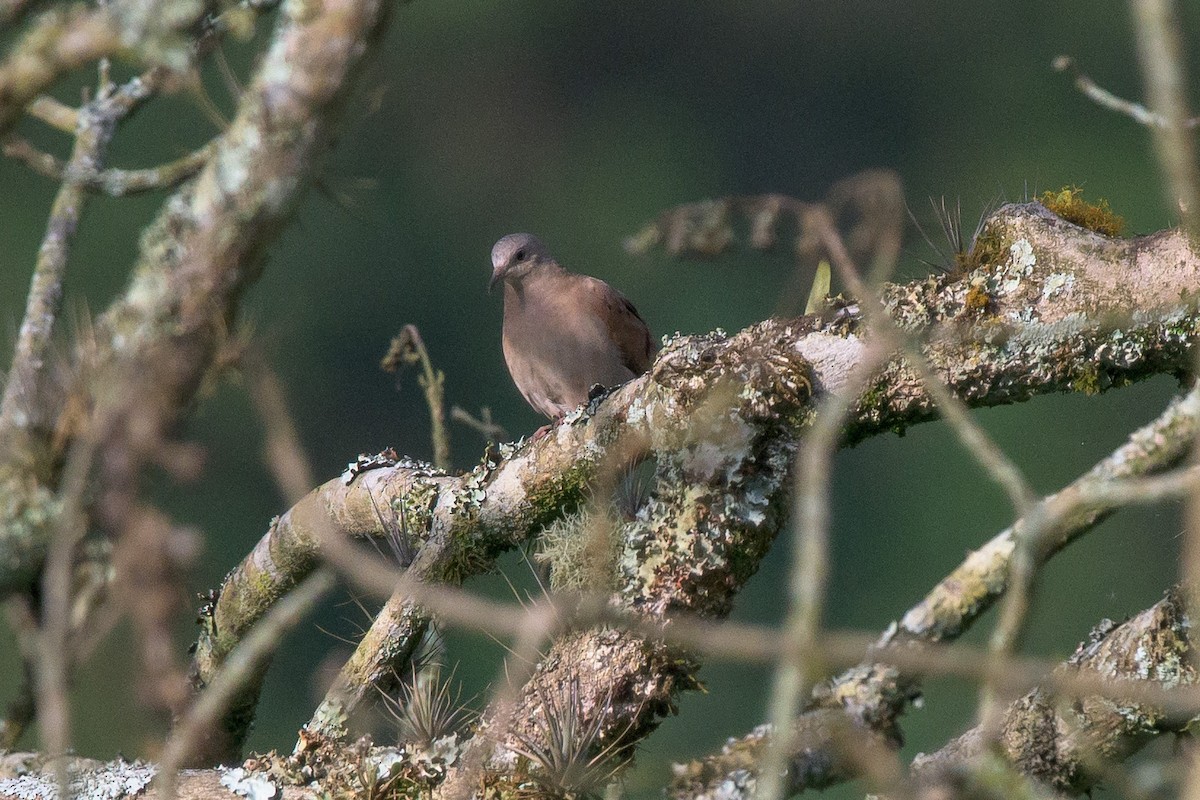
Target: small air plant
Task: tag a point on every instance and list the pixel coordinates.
(428, 709)
(565, 745)
(956, 255)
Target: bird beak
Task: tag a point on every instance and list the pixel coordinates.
(497, 276)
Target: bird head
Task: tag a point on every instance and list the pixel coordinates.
(515, 256)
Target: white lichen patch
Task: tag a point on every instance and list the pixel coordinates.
(431, 761)
(832, 358)
(1020, 264)
(635, 414)
(253, 785)
(116, 779)
(1057, 283)
(702, 461)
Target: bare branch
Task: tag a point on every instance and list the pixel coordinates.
(1106, 99)
(112, 182)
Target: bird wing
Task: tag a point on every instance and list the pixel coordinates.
(626, 327)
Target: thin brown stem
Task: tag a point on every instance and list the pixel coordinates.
(409, 348)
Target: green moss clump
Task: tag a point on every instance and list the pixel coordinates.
(1069, 204)
(561, 495)
(1089, 381)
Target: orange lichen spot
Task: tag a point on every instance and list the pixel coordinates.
(977, 300)
(1069, 204)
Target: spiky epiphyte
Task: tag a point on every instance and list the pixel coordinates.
(427, 709)
(566, 747)
(957, 255)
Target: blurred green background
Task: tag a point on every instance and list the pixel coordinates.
(579, 122)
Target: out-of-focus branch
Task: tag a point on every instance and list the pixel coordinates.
(1160, 51)
(112, 182)
(238, 671)
(21, 709)
(1106, 99)
(484, 424)
(62, 40)
(284, 455)
(873, 695)
(796, 672)
(12, 10)
(1057, 744)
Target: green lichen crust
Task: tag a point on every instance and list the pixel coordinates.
(720, 474)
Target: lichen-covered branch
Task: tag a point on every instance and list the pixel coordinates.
(153, 347)
(1054, 317)
(1059, 743)
(872, 696)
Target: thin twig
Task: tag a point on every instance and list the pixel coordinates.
(111, 182)
(409, 348)
(55, 113)
(1106, 99)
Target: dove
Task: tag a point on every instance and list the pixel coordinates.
(564, 333)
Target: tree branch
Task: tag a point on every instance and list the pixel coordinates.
(1058, 296)
(1057, 742)
(873, 695)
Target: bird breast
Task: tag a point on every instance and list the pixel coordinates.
(557, 348)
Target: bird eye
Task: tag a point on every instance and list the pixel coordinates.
(520, 255)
